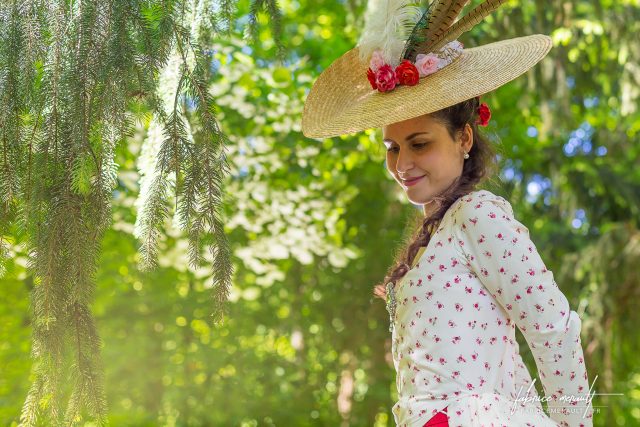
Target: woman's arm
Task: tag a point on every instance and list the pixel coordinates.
(499, 251)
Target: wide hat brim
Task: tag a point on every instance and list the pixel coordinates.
(342, 101)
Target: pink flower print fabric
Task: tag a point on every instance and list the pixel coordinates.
(453, 340)
(501, 254)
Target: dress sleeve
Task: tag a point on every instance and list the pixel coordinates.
(499, 252)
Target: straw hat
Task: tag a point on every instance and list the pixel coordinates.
(399, 39)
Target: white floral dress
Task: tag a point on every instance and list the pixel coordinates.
(453, 339)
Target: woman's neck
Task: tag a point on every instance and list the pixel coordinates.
(429, 208)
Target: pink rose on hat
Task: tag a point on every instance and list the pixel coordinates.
(377, 60)
(427, 64)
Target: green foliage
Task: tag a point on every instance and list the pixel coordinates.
(68, 73)
(275, 19)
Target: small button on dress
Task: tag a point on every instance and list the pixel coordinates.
(453, 335)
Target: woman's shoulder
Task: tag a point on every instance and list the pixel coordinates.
(474, 202)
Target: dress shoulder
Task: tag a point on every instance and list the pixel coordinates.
(467, 206)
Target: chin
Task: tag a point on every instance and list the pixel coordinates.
(419, 199)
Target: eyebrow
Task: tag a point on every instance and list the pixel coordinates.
(410, 137)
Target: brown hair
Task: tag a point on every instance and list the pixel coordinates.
(477, 168)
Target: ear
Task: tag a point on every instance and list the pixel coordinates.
(466, 138)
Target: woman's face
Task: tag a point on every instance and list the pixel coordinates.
(422, 147)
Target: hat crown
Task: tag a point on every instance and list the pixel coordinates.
(400, 29)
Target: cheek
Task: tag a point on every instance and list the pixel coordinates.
(431, 159)
(438, 163)
(391, 162)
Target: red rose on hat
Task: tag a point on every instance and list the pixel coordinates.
(372, 78)
(484, 114)
(407, 73)
(386, 78)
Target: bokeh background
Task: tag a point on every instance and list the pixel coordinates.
(314, 224)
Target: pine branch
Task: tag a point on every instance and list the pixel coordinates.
(70, 178)
(227, 9)
(252, 28)
(67, 74)
(275, 18)
(31, 407)
(151, 218)
(275, 15)
(205, 169)
(4, 250)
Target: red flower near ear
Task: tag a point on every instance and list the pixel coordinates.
(484, 114)
(407, 73)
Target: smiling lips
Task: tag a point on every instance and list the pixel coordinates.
(412, 181)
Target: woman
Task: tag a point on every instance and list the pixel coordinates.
(471, 274)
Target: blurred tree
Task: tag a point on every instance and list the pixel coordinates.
(72, 77)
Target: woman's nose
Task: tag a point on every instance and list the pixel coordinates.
(404, 161)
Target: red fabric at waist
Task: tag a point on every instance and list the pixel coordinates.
(439, 420)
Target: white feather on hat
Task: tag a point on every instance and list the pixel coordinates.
(388, 24)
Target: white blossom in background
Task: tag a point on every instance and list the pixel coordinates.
(297, 222)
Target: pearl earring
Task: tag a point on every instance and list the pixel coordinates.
(466, 155)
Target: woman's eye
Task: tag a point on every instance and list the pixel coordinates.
(418, 146)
